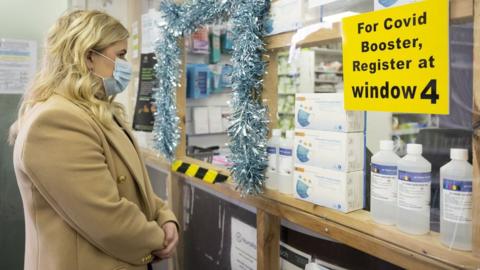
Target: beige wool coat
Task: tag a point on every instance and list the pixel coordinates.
(87, 197)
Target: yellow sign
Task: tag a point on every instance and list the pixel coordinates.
(396, 60)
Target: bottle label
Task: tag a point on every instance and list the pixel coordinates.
(272, 158)
(285, 152)
(285, 162)
(414, 191)
(457, 201)
(384, 182)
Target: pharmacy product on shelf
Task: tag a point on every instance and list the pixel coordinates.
(226, 76)
(214, 39)
(456, 201)
(273, 145)
(215, 119)
(326, 112)
(198, 81)
(289, 15)
(414, 181)
(320, 70)
(382, 4)
(338, 190)
(383, 191)
(215, 79)
(287, 87)
(285, 164)
(226, 39)
(200, 120)
(199, 41)
(329, 150)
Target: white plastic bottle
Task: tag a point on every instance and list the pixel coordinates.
(271, 175)
(285, 164)
(414, 181)
(383, 192)
(456, 201)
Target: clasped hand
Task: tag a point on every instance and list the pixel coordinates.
(171, 241)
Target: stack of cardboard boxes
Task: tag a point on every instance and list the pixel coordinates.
(329, 152)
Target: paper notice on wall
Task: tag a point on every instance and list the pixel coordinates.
(144, 108)
(150, 30)
(135, 39)
(243, 252)
(18, 61)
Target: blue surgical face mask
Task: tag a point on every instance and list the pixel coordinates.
(302, 189)
(387, 3)
(302, 118)
(122, 73)
(302, 153)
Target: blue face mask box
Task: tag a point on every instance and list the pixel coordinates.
(226, 76)
(333, 189)
(325, 112)
(215, 80)
(198, 81)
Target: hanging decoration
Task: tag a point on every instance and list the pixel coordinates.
(249, 121)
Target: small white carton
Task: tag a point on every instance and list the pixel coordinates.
(200, 120)
(329, 150)
(337, 190)
(215, 119)
(325, 111)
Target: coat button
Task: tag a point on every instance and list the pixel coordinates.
(121, 179)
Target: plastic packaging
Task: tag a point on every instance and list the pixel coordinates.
(271, 175)
(285, 164)
(414, 181)
(456, 201)
(383, 202)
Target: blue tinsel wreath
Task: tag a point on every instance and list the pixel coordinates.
(249, 121)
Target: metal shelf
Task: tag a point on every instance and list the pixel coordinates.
(328, 72)
(402, 132)
(325, 81)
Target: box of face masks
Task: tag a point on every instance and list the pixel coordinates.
(325, 111)
(329, 150)
(382, 4)
(338, 190)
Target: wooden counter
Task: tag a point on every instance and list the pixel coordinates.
(355, 229)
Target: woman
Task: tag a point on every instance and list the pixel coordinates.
(87, 197)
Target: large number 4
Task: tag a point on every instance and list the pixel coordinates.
(433, 96)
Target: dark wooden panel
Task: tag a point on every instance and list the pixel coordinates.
(12, 224)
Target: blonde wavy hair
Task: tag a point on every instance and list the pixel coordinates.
(64, 69)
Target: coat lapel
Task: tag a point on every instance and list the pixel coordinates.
(119, 141)
(131, 161)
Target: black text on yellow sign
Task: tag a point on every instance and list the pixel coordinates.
(396, 59)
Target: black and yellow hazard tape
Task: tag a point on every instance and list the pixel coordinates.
(194, 170)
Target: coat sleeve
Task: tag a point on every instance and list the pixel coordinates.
(163, 213)
(64, 158)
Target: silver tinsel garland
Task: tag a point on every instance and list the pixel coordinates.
(249, 121)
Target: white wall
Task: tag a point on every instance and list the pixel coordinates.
(29, 19)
